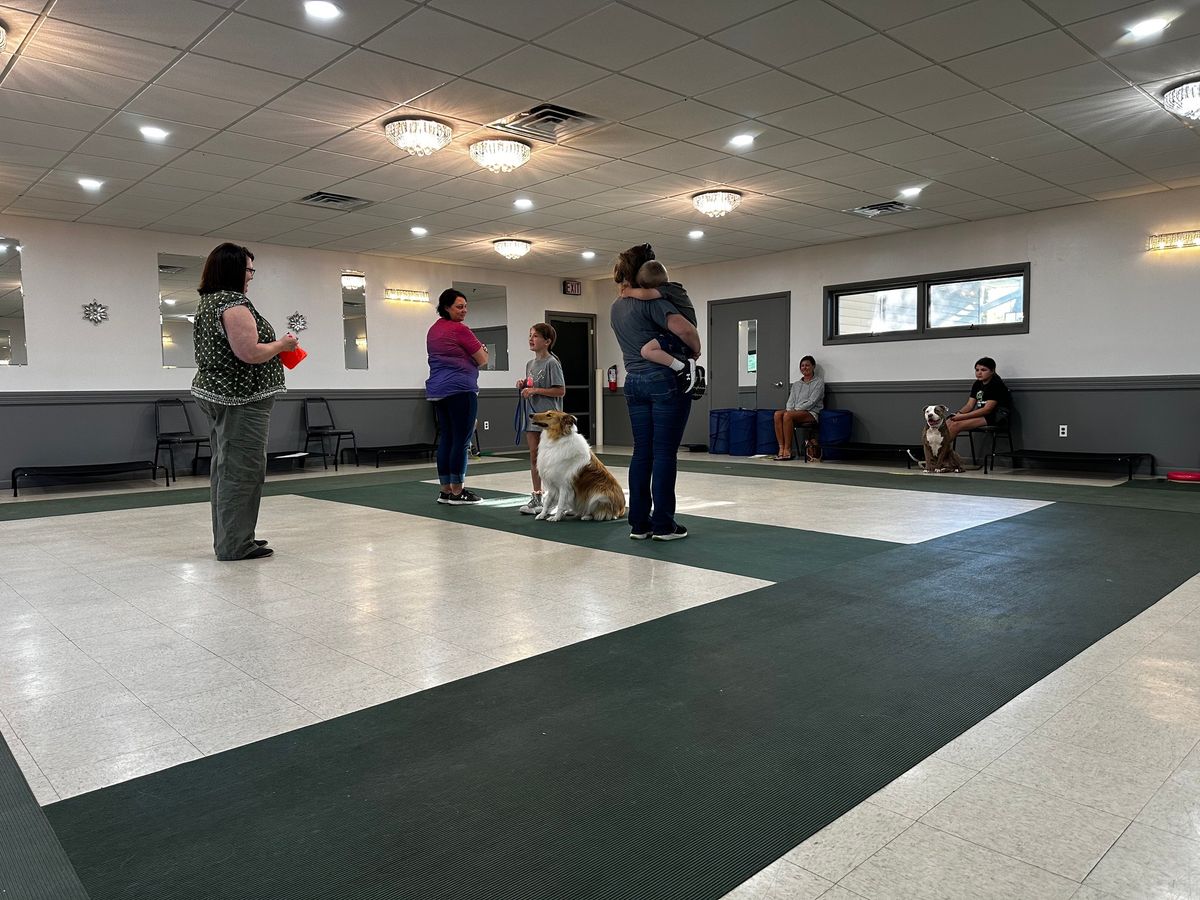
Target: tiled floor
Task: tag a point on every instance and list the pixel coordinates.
(128, 649)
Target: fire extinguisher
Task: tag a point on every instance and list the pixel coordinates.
(612, 378)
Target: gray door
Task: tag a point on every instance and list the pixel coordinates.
(749, 351)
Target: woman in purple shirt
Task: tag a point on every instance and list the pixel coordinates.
(455, 356)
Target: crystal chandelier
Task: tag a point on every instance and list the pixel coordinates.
(1184, 100)
(500, 155)
(420, 137)
(511, 249)
(717, 203)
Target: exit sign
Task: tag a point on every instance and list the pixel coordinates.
(573, 287)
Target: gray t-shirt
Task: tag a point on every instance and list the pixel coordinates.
(545, 373)
(635, 322)
(677, 295)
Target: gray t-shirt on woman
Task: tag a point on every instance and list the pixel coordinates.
(808, 395)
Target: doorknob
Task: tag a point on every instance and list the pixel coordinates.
(779, 384)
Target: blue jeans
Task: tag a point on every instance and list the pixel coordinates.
(658, 413)
(456, 423)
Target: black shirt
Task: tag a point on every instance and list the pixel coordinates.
(996, 390)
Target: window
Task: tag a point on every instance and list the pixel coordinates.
(945, 304)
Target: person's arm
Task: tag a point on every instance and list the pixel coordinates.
(816, 394)
(641, 293)
(544, 392)
(242, 331)
(480, 356)
(686, 332)
(793, 400)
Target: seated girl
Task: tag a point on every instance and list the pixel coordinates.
(804, 405)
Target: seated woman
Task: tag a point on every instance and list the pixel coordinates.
(804, 405)
(989, 404)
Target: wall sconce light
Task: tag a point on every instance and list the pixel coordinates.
(404, 295)
(1174, 240)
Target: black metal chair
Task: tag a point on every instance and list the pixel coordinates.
(320, 426)
(173, 428)
(988, 436)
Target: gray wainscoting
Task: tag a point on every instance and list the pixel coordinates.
(1143, 414)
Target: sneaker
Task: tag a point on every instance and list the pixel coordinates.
(462, 499)
(687, 376)
(533, 507)
(679, 533)
(701, 384)
(445, 497)
(639, 535)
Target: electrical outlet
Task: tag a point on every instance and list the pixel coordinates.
(487, 425)
(1062, 430)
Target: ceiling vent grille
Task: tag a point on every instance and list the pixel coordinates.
(889, 208)
(326, 200)
(549, 123)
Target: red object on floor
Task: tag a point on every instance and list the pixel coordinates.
(1183, 476)
(293, 358)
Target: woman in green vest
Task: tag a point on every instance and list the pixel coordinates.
(238, 375)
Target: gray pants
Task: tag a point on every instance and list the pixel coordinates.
(239, 468)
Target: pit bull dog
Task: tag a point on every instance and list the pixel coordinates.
(939, 446)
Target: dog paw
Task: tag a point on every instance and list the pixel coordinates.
(585, 518)
(540, 516)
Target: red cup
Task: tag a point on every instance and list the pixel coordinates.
(293, 358)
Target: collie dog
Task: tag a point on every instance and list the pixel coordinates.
(573, 479)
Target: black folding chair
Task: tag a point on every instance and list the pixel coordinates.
(320, 426)
(173, 428)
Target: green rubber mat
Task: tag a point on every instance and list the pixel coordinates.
(671, 760)
(769, 552)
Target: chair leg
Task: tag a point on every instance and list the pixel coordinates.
(354, 443)
(337, 452)
(196, 461)
(171, 450)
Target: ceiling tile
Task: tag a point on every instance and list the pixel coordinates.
(792, 32)
(727, 171)
(430, 38)
(856, 64)
(820, 115)
(474, 102)
(269, 123)
(195, 180)
(894, 12)
(401, 176)
(904, 151)
(965, 110)
(980, 209)
(1037, 55)
(870, 134)
(1057, 87)
(193, 109)
(31, 108)
(36, 76)
(971, 28)
(381, 77)
(982, 135)
(332, 163)
(762, 94)
(361, 19)
(17, 24)
(618, 141)
(272, 47)
(524, 18)
(537, 73)
(616, 37)
(134, 151)
(764, 136)
(24, 155)
(212, 163)
(1171, 60)
(994, 179)
(1036, 145)
(101, 167)
(570, 187)
(98, 51)
(175, 23)
(958, 161)
(1076, 164)
(676, 157)
(326, 104)
(684, 119)
(914, 89)
(616, 98)
(365, 143)
(1044, 198)
(1109, 34)
(33, 134)
(1111, 117)
(695, 68)
(794, 153)
(244, 146)
(836, 167)
(226, 80)
(616, 174)
(126, 124)
(1067, 11)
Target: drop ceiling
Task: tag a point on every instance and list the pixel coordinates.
(992, 107)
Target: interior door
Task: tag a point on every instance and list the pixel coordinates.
(575, 347)
(749, 354)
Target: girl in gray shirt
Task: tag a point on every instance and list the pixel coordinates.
(543, 388)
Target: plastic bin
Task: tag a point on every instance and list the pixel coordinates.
(718, 430)
(833, 428)
(742, 429)
(764, 438)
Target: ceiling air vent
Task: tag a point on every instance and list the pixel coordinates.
(548, 123)
(326, 200)
(889, 208)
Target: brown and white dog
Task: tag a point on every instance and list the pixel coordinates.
(939, 445)
(574, 481)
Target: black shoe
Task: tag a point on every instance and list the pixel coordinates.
(259, 553)
(445, 497)
(679, 533)
(639, 535)
(687, 376)
(701, 383)
(462, 499)
(260, 543)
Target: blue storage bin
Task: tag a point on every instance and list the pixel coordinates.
(833, 428)
(764, 438)
(718, 430)
(742, 431)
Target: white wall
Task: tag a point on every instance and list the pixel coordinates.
(1099, 303)
(65, 265)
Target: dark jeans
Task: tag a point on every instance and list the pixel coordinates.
(456, 423)
(658, 413)
(238, 470)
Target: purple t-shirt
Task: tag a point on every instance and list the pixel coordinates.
(451, 369)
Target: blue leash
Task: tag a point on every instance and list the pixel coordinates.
(520, 419)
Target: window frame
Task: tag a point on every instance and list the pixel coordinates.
(922, 283)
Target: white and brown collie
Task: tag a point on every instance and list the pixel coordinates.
(574, 481)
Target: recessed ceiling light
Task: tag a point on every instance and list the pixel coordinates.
(910, 192)
(321, 9)
(741, 140)
(1147, 27)
(523, 203)
(695, 235)
(588, 254)
(152, 133)
(91, 184)
(419, 231)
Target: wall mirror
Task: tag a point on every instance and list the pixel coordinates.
(487, 316)
(178, 280)
(354, 318)
(12, 305)
(748, 361)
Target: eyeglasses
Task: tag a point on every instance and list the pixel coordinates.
(250, 269)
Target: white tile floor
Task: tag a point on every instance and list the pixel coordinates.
(128, 649)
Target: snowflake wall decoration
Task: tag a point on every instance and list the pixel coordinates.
(297, 322)
(95, 312)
